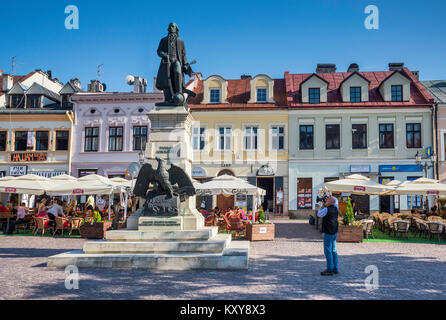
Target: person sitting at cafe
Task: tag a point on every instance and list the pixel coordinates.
(54, 211)
(21, 211)
(41, 209)
(434, 211)
(11, 207)
(71, 208)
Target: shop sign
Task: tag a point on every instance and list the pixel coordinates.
(48, 174)
(400, 168)
(78, 191)
(359, 188)
(266, 170)
(12, 190)
(17, 170)
(198, 172)
(433, 192)
(28, 157)
(360, 168)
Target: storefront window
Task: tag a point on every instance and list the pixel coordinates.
(414, 201)
(305, 193)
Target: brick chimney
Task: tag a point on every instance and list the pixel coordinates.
(75, 82)
(326, 68)
(95, 86)
(396, 66)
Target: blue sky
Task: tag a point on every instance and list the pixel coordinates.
(229, 38)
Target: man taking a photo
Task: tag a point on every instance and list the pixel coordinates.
(329, 214)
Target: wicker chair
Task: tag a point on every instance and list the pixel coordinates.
(61, 224)
(435, 228)
(434, 219)
(388, 224)
(367, 226)
(401, 227)
(75, 224)
(41, 225)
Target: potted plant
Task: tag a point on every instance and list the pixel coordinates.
(261, 230)
(350, 230)
(94, 227)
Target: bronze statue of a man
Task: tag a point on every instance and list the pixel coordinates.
(173, 66)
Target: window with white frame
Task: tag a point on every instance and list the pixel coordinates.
(251, 137)
(261, 94)
(277, 137)
(214, 95)
(224, 138)
(198, 138)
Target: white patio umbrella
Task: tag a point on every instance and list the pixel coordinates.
(357, 184)
(229, 185)
(421, 186)
(27, 184)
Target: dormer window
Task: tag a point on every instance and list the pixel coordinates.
(314, 95)
(261, 89)
(397, 93)
(262, 94)
(214, 95)
(355, 94)
(215, 90)
(33, 101)
(17, 101)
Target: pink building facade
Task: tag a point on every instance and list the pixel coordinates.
(110, 131)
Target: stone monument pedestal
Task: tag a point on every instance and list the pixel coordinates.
(156, 242)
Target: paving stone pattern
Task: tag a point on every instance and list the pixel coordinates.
(287, 268)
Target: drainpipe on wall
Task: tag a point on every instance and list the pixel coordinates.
(435, 139)
(70, 117)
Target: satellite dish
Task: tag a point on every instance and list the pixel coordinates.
(130, 80)
(104, 87)
(133, 169)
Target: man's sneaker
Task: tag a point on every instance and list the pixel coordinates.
(326, 273)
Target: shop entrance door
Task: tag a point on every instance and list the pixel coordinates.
(268, 185)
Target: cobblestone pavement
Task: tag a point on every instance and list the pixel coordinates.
(287, 268)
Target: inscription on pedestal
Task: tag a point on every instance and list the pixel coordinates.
(155, 224)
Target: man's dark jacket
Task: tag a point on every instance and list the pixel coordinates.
(330, 221)
(161, 80)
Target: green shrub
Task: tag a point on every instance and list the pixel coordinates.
(261, 215)
(348, 216)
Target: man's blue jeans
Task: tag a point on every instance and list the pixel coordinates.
(330, 251)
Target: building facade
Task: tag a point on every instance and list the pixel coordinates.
(35, 129)
(241, 129)
(110, 131)
(437, 88)
(372, 123)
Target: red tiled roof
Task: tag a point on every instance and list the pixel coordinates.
(238, 96)
(418, 94)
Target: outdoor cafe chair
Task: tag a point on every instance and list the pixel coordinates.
(434, 218)
(368, 228)
(42, 224)
(61, 224)
(435, 229)
(75, 224)
(401, 227)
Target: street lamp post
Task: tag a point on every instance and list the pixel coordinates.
(425, 166)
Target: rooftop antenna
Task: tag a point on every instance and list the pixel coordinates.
(13, 65)
(99, 71)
